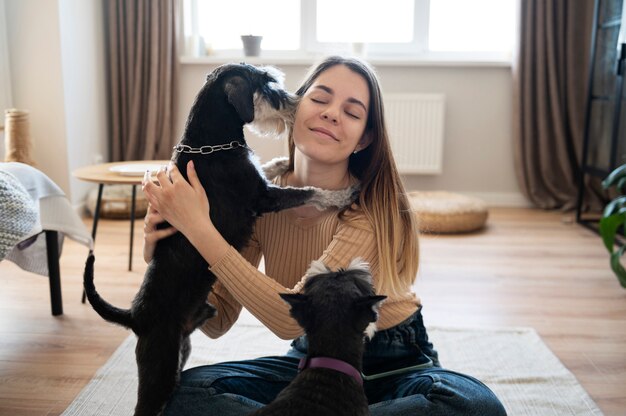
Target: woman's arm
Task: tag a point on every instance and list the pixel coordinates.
(259, 293)
(228, 308)
(185, 206)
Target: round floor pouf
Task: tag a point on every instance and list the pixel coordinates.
(447, 212)
(117, 202)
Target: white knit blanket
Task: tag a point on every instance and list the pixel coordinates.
(50, 208)
(18, 213)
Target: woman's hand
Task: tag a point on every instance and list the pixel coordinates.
(151, 235)
(183, 204)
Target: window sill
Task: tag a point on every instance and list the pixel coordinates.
(378, 61)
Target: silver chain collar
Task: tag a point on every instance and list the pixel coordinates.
(206, 150)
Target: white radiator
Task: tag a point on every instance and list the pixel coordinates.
(415, 127)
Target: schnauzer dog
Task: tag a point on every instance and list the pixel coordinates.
(336, 309)
(172, 301)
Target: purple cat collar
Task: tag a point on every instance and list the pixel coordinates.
(332, 364)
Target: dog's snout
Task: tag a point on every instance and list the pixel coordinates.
(269, 79)
(291, 100)
(279, 98)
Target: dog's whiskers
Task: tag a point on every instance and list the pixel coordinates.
(269, 121)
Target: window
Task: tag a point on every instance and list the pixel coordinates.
(359, 21)
(466, 26)
(221, 23)
(392, 28)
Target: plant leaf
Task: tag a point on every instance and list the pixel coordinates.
(614, 206)
(608, 229)
(617, 267)
(621, 185)
(614, 176)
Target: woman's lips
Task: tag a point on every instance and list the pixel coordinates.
(324, 132)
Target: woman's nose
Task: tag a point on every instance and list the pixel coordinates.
(329, 116)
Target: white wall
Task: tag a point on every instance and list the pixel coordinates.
(478, 149)
(478, 143)
(56, 58)
(84, 87)
(37, 80)
(57, 65)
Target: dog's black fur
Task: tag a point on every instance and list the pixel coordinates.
(172, 301)
(335, 309)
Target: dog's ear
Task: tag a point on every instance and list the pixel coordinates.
(370, 301)
(371, 304)
(240, 96)
(317, 267)
(299, 305)
(294, 299)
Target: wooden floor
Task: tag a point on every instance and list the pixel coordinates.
(528, 268)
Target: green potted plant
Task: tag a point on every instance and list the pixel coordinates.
(614, 217)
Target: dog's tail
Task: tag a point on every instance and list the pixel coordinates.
(103, 308)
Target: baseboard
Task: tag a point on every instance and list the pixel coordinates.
(502, 199)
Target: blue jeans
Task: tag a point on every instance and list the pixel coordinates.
(238, 388)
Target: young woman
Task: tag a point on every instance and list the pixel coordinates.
(339, 138)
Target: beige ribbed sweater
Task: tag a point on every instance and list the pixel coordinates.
(288, 245)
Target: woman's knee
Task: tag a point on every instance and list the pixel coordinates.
(466, 394)
(200, 402)
(481, 403)
(199, 377)
(258, 380)
(203, 390)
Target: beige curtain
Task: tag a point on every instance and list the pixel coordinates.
(142, 69)
(550, 73)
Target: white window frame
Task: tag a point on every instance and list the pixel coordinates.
(310, 47)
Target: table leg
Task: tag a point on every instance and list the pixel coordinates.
(54, 272)
(94, 227)
(132, 227)
(96, 214)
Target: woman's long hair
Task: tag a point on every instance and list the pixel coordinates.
(382, 198)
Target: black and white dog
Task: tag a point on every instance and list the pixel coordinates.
(336, 309)
(172, 301)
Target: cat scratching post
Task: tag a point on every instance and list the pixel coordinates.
(17, 141)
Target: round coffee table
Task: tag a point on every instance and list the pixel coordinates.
(118, 173)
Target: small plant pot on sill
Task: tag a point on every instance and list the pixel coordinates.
(251, 45)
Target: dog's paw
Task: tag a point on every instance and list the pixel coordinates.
(275, 167)
(323, 199)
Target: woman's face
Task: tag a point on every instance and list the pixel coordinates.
(331, 117)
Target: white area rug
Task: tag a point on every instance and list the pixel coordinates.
(513, 362)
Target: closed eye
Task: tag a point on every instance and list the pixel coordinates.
(354, 116)
(318, 101)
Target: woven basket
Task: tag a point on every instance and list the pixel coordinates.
(18, 145)
(117, 202)
(447, 212)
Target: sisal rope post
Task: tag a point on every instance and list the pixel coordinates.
(18, 144)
